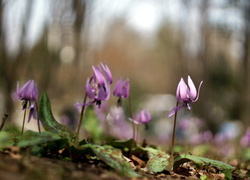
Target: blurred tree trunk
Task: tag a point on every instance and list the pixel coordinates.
(212, 119)
(79, 8)
(10, 66)
(245, 95)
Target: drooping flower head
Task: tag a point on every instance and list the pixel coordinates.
(144, 117)
(28, 93)
(186, 95)
(98, 86)
(121, 90)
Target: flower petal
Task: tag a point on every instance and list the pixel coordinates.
(118, 88)
(175, 109)
(183, 90)
(107, 73)
(192, 88)
(89, 89)
(198, 92)
(98, 76)
(28, 91)
(145, 117)
(33, 112)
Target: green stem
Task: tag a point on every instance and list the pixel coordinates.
(81, 118)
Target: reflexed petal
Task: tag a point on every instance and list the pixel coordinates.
(107, 73)
(183, 90)
(175, 109)
(98, 76)
(192, 88)
(198, 92)
(134, 121)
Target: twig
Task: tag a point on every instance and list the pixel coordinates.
(3, 121)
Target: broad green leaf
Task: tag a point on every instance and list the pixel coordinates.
(112, 157)
(48, 121)
(30, 138)
(5, 139)
(158, 159)
(201, 161)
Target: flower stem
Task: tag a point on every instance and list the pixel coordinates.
(24, 115)
(171, 158)
(131, 115)
(81, 118)
(38, 121)
(133, 125)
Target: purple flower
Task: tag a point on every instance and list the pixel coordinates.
(245, 140)
(186, 95)
(28, 93)
(122, 88)
(107, 73)
(98, 86)
(143, 117)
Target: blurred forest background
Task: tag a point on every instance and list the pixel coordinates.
(152, 42)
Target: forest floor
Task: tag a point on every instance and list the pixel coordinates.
(17, 165)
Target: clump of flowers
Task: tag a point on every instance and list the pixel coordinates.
(28, 93)
(97, 88)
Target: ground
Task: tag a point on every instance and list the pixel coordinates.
(16, 165)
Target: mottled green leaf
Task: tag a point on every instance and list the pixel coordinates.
(201, 161)
(113, 157)
(125, 146)
(48, 121)
(5, 139)
(30, 138)
(158, 159)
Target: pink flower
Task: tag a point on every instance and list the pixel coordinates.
(186, 95)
